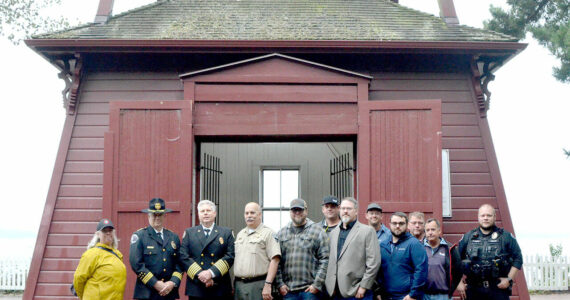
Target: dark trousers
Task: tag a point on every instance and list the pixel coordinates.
(490, 293)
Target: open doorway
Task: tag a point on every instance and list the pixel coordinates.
(272, 174)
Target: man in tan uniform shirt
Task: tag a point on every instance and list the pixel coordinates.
(257, 257)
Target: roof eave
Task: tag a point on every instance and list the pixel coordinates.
(60, 47)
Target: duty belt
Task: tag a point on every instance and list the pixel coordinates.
(251, 279)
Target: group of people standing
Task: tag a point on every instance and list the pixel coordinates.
(337, 258)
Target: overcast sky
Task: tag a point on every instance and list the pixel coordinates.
(528, 119)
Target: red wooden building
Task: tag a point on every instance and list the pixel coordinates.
(258, 100)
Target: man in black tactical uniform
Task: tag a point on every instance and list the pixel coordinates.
(154, 256)
(491, 258)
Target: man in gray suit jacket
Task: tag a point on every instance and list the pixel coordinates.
(354, 256)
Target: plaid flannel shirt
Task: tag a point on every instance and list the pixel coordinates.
(304, 257)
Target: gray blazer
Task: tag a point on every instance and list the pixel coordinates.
(358, 263)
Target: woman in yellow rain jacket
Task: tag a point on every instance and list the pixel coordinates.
(101, 273)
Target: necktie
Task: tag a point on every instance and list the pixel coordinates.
(160, 236)
(207, 231)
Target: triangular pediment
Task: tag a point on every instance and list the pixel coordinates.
(275, 68)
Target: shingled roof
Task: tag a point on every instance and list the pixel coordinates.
(275, 20)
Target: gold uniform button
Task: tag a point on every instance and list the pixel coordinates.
(164, 270)
(212, 254)
(163, 249)
(202, 254)
(164, 259)
(212, 263)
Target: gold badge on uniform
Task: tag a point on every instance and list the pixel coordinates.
(221, 240)
(173, 244)
(495, 235)
(157, 206)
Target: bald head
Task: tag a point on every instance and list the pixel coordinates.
(486, 217)
(252, 215)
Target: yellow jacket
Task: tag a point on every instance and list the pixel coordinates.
(100, 274)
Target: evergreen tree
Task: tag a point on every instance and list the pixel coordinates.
(546, 20)
(20, 19)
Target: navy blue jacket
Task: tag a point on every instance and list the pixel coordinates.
(404, 268)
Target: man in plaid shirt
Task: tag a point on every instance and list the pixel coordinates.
(304, 256)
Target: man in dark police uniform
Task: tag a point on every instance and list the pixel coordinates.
(154, 256)
(207, 254)
(491, 258)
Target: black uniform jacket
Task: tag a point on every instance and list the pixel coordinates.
(215, 252)
(153, 259)
(499, 238)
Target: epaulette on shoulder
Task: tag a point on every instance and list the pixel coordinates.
(141, 229)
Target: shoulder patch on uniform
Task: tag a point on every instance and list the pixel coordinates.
(134, 238)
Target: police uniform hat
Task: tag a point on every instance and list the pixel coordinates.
(330, 200)
(104, 223)
(375, 206)
(156, 206)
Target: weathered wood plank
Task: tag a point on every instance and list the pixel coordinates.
(471, 178)
(83, 166)
(56, 264)
(79, 203)
(462, 143)
(472, 190)
(85, 155)
(468, 202)
(461, 131)
(76, 215)
(448, 97)
(86, 143)
(133, 85)
(91, 120)
(55, 276)
(89, 131)
(407, 84)
(469, 167)
(82, 178)
(68, 239)
(80, 191)
(450, 119)
(64, 252)
(467, 154)
(105, 96)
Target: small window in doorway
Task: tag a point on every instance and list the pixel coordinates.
(279, 186)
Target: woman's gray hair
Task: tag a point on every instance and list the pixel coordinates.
(207, 202)
(96, 240)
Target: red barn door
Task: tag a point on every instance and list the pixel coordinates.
(399, 156)
(148, 153)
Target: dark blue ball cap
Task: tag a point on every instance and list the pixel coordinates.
(330, 200)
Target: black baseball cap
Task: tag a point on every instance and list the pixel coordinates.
(104, 223)
(330, 200)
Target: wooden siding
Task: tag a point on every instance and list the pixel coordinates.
(471, 183)
(74, 203)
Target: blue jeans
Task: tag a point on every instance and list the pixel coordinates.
(300, 295)
(436, 297)
(367, 296)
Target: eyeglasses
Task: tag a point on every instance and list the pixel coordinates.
(396, 224)
(297, 210)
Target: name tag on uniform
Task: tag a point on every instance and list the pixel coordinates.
(150, 247)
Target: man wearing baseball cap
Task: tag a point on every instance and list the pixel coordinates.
(154, 256)
(374, 217)
(304, 255)
(330, 209)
